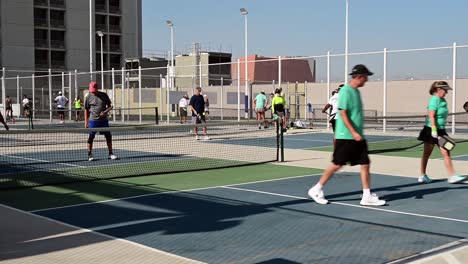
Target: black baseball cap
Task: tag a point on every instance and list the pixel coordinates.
(361, 69)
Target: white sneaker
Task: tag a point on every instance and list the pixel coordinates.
(112, 157)
(62, 122)
(197, 137)
(318, 197)
(90, 158)
(372, 200)
(206, 138)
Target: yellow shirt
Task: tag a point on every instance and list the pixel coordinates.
(78, 104)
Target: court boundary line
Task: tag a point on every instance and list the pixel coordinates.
(352, 205)
(45, 161)
(86, 230)
(86, 167)
(168, 192)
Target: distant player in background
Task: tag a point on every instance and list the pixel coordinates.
(333, 104)
(61, 102)
(278, 107)
(8, 108)
(26, 106)
(260, 102)
(183, 104)
(97, 106)
(197, 106)
(78, 104)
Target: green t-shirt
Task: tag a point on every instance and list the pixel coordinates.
(440, 106)
(349, 100)
(260, 101)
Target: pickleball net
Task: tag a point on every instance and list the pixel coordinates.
(56, 156)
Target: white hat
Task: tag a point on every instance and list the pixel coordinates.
(60, 93)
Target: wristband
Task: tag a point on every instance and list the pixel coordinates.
(434, 128)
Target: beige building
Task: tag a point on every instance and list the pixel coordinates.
(187, 75)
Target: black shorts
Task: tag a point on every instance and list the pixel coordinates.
(351, 152)
(426, 137)
(183, 111)
(61, 111)
(333, 124)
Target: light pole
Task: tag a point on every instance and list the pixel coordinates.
(100, 34)
(91, 40)
(346, 44)
(171, 71)
(244, 12)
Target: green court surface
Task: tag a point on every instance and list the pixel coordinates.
(85, 192)
(397, 148)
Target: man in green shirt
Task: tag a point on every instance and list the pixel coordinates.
(260, 108)
(351, 146)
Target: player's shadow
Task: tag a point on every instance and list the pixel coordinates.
(421, 193)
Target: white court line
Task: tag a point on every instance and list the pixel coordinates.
(97, 166)
(85, 230)
(45, 161)
(309, 140)
(169, 192)
(352, 205)
(104, 227)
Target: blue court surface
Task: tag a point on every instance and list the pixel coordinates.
(274, 222)
(305, 141)
(73, 159)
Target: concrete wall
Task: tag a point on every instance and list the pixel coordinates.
(131, 28)
(403, 97)
(17, 34)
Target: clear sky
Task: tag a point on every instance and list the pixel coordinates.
(313, 27)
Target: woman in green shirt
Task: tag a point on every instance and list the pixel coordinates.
(434, 128)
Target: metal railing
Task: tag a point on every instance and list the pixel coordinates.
(57, 23)
(114, 9)
(57, 3)
(43, 43)
(100, 8)
(57, 44)
(40, 2)
(41, 22)
(114, 28)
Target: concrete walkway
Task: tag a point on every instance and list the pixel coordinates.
(27, 238)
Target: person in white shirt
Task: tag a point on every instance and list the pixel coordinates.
(333, 104)
(61, 102)
(183, 104)
(26, 107)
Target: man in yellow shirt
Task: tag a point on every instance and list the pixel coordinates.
(78, 104)
(278, 107)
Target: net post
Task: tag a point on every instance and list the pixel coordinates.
(50, 96)
(156, 116)
(282, 140)
(33, 85)
(277, 139)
